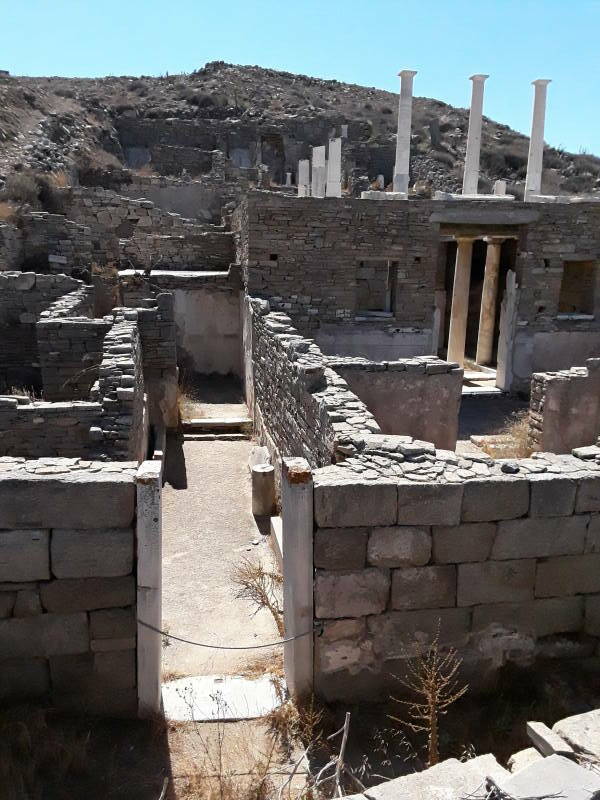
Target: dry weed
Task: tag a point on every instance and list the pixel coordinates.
(32, 753)
(261, 586)
(59, 179)
(7, 212)
(512, 441)
(19, 391)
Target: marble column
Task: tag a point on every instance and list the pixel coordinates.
(288, 178)
(489, 297)
(533, 181)
(334, 169)
(460, 300)
(471, 173)
(304, 178)
(402, 165)
(319, 172)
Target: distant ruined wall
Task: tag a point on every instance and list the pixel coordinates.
(23, 297)
(564, 408)
(417, 397)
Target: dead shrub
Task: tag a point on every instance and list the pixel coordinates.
(34, 190)
(21, 188)
(261, 586)
(432, 679)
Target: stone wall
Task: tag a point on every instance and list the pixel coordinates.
(501, 556)
(159, 350)
(67, 584)
(300, 405)
(564, 408)
(417, 397)
(197, 251)
(304, 255)
(52, 243)
(206, 314)
(112, 422)
(11, 247)
(70, 346)
(23, 297)
(122, 429)
(33, 429)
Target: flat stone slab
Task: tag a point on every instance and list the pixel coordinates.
(555, 776)
(581, 731)
(450, 780)
(208, 698)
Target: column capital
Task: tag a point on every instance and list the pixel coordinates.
(407, 73)
(541, 82)
(495, 239)
(479, 78)
(465, 239)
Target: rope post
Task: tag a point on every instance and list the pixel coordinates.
(297, 519)
(149, 586)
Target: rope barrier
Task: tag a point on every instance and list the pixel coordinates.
(318, 627)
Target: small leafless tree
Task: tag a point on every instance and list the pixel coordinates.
(261, 586)
(431, 678)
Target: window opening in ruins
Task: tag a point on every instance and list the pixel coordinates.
(577, 288)
(375, 286)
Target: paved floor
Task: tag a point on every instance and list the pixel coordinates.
(208, 527)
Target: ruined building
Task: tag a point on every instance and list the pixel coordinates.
(357, 326)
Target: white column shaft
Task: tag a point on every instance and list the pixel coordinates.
(471, 174)
(334, 169)
(402, 165)
(533, 182)
(319, 172)
(460, 302)
(489, 296)
(304, 178)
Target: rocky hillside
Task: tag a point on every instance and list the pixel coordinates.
(50, 124)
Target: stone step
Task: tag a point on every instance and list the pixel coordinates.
(216, 437)
(217, 425)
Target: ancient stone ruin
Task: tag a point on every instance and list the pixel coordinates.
(365, 323)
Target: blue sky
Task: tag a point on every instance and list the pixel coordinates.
(359, 41)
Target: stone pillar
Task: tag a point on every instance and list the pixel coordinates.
(334, 169)
(489, 296)
(304, 178)
(297, 540)
(471, 173)
(319, 172)
(402, 165)
(533, 181)
(499, 188)
(288, 178)
(263, 490)
(460, 300)
(149, 586)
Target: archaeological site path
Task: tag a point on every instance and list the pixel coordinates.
(208, 527)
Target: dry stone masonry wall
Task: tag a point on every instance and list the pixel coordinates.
(300, 404)
(564, 408)
(23, 297)
(418, 397)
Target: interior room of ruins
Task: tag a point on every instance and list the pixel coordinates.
(274, 331)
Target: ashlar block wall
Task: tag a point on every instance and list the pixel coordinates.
(505, 564)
